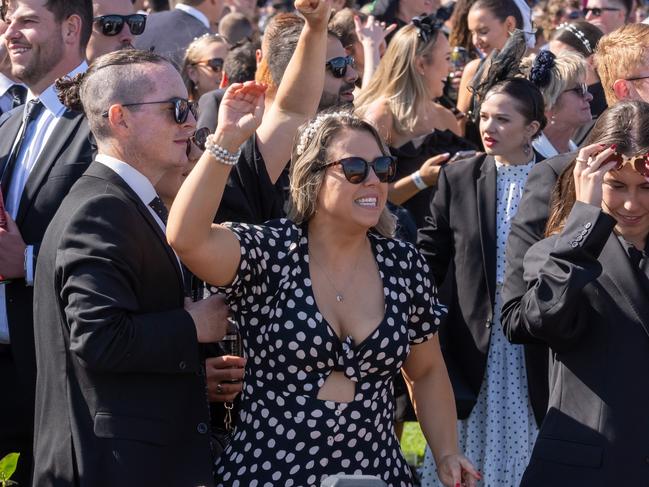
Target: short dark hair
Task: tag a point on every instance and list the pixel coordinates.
(62, 9)
(240, 64)
(236, 27)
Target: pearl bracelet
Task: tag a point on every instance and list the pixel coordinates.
(418, 180)
(220, 154)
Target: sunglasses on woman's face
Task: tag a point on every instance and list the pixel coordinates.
(338, 65)
(182, 108)
(111, 25)
(581, 90)
(356, 169)
(597, 11)
(215, 64)
(639, 163)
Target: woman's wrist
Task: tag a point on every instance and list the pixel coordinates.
(230, 141)
(418, 180)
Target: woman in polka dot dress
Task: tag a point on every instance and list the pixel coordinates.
(471, 213)
(330, 308)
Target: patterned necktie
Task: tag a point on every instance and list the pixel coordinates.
(18, 94)
(160, 209)
(32, 111)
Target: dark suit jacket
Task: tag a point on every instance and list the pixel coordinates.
(462, 235)
(527, 228)
(65, 157)
(208, 109)
(168, 33)
(120, 396)
(589, 305)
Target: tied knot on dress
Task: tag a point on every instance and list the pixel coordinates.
(347, 361)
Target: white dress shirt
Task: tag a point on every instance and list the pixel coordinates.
(543, 146)
(137, 181)
(194, 12)
(35, 141)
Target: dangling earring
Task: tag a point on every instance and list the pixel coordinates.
(527, 147)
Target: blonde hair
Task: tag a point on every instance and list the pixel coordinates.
(308, 163)
(192, 56)
(619, 55)
(568, 70)
(397, 79)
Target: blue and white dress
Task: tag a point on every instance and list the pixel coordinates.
(500, 433)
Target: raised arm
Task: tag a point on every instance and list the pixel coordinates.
(299, 93)
(212, 252)
(371, 35)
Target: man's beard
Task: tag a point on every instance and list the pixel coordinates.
(41, 62)
(328, 100)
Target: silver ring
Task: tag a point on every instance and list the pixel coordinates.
(582, 161)
(219, 389)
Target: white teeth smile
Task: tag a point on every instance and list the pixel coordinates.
(19, 50)
(367, 202)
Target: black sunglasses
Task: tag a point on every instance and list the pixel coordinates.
(581, 90)
(356, 169)
(199, 139)
(597, 11)
(111, 25)
(215, 64)
(338, 65)
(182, 108)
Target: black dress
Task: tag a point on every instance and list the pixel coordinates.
(285, 435)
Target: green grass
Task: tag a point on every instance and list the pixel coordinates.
(413, 442)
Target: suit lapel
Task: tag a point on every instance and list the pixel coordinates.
(99, 170)
(621, 281)
(486, 198)
(9, 130)
(57, 141)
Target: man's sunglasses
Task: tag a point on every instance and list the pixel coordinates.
(199, 139)
(581, 90)
(356, 169)
(182, 108)
(338, 65)
(597, 11)
(639, 163)
(215, 64)
(111, 25)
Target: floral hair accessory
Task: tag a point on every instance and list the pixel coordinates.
(542, 69)
(427, 25)
(313, 127)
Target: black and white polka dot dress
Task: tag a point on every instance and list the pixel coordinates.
(499, 434)
(285, 436)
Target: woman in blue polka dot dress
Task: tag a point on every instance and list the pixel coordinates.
(471, 212)
(330, 308)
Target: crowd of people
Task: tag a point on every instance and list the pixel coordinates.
(241, 243)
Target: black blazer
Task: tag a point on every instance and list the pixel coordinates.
(65, 157)
(208, 109)
(168, 33)
(527, 228)
(589, 305)
(462, 236)
(120, 397)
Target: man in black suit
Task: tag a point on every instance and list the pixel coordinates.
(121, 395)
(169, 33)
(41, 156)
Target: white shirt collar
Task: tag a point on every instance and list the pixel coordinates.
(49, 97)
(5, 84)
(544, 147)
(137, 181)
(194, 12)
